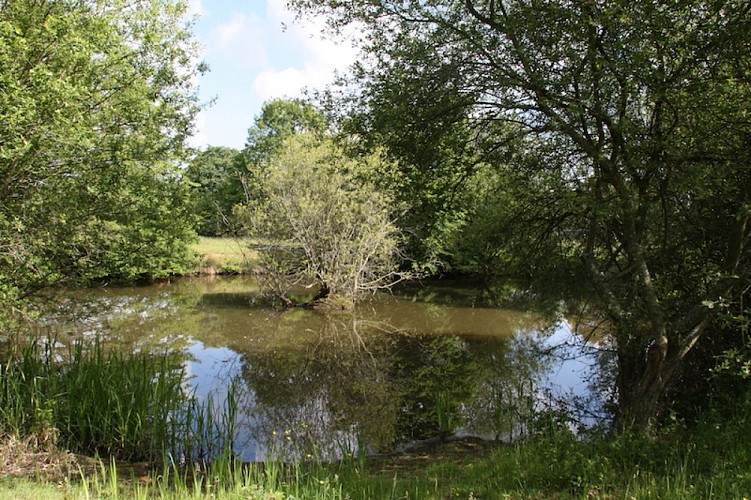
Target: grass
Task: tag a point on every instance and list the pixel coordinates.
(676, 465)
(224, 256)
(90, 401)
(132, 408)
(99, 403)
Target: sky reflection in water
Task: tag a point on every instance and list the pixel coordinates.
(424, 363)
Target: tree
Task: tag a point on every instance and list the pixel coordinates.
(96, 105)
(322, 222)
(432, 152)
(279, 120)
(217, 187)
(639, 112)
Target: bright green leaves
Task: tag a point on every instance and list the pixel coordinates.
(96, 103)
(217, 176)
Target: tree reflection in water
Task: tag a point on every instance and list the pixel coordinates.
(355, 386)
(311, 385)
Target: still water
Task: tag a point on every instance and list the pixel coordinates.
(420, 363)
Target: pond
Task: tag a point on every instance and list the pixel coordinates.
(423, 362)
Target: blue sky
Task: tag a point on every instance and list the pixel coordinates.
(256, 51)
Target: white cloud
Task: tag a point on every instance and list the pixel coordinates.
(258, 51)
(243, 40)
(320, 57)
(195, 8)
(287, 82)
(232, 31)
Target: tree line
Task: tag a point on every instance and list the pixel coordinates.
(96, 106)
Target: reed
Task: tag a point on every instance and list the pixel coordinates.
(93, 402)
(133, 407)
(701, 464)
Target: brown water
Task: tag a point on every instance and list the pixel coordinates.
(424, 362)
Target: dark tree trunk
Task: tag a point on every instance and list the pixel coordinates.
(323, 293)
(643, 383)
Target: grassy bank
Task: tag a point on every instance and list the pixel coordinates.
(224, 256)
(57, 415)
(675, 466)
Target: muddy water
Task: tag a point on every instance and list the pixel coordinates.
(425, 362)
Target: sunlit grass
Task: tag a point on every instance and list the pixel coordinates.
(222, 246)
(624, 468)
(542, 467)
(225, 256)
(130, 407)
(89, 400)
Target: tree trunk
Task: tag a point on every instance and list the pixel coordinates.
(323, 292)
(642, 384)
(326, 300)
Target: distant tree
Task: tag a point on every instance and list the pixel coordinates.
(95, 107)
(322, 222)
(638, 133)
(217, 186)
(279, 120)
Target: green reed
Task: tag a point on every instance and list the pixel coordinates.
(92, 401)
(221, 480)
(133, 407)
(203, 436)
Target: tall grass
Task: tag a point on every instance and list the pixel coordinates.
(205, 437)
(133, 407)
(222, 480)
(93, 402)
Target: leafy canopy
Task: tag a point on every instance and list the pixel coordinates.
(96, 105)
(636, 155)
(323, 222)
(217, 184)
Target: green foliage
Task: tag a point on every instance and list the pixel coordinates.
(96, 106)
(323, 221)
(217, 185)
(423, 126)
(718, 374)
(279, 120)
(632, 176)
(91, 401)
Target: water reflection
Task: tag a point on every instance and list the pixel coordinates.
(421, 364)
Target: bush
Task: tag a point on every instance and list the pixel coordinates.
(323, 222)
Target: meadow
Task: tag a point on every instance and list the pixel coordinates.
(224, 256)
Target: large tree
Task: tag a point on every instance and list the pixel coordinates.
(96, 104)
(637, 118)
(278, 120)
